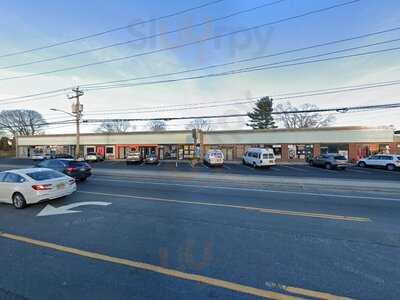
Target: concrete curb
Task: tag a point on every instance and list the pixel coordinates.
(343, 184)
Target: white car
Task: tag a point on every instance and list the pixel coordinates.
(214, 158)
(259, 157)
(28, 186)
(388, 161)
(93, 157)
(40, 156)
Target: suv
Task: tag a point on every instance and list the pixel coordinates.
(388, 161)
(330, 161)
(133, 157)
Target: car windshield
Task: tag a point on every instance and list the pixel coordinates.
(45, 175)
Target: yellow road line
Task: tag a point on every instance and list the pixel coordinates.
(264, 210)
(174, 273)
(313, 294)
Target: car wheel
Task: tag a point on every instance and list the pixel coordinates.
(391, 167)
(328, 166)
(83, 179)
(254, 165)
(311, 163)
(243, 162)
(362, 164)
(18, 201)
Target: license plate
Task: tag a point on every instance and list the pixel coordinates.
(271, 161)
(60, 186)
(83, 169)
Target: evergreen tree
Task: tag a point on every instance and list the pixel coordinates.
(261, 117)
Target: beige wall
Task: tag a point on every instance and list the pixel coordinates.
(280, 136)
(370, 135)
(183, 137)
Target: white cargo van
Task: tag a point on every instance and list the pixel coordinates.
(259, 157)
(214, 158)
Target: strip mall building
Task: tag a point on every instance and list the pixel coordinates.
(288, 144)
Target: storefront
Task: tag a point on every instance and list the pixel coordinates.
(287, 144)
(174, 152)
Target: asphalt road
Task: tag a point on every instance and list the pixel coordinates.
(285, 170)
(166, 239)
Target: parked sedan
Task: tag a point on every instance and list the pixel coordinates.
(387, 161)
(79, 170)
(28, 186)
(330, 161)
(93, 157)
(133, 157)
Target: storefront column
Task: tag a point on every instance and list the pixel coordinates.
(317, 150)
(353, 152)
(239, 152)
(285, 152)
(392, 148)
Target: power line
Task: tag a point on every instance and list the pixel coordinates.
(143, 38)
(255, 58)
(283, 96)
(337, 109)
(112, 29)
(246, 70)
(231, 102)
(48, 93)
(181, 45)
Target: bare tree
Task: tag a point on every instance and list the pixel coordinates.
(22, 122)
(115, 126)
(201, 124)
(302, 119)
(157, 125)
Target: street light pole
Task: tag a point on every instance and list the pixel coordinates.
(77, 110)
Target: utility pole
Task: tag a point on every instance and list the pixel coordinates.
(77, 109)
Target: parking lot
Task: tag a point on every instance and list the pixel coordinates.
(286, 170)
(282, 169)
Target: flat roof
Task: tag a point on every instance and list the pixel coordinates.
(214, 131)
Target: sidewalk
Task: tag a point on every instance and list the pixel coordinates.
(343, 184)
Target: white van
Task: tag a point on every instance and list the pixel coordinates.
(259, 157)
(214, 158)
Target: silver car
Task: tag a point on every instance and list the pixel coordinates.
(133, 157)
(330, 161)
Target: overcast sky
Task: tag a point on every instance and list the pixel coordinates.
(30, 24)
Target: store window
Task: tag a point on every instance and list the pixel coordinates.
(188, 151)
(277, 151)
(300, 151)
(90, 150)
(384, 148)
(342, 149)
(109, 150)
(170, 151)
